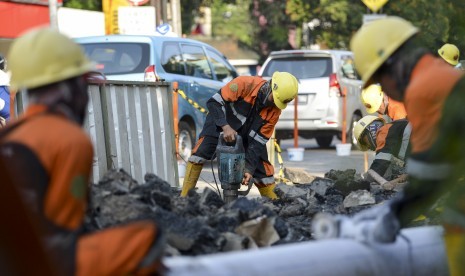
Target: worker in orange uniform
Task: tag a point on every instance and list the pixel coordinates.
(388, 52)
(248, 106)
(50, 158)
(390, 141)
(375, 100)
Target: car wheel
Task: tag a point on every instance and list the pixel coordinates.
(324, 141)
(350, 135)
(185, 140)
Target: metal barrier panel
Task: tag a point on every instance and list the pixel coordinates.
(131, 127)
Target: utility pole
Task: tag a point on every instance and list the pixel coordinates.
(173, 16)
(158, 12)
(176, 16)
(163, 11)
(53, 8)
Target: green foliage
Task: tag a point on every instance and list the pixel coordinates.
(93, 5)
(297, 10)
(270, 26)
(232, 20)
(441, 21)
(430, 16)
(339, 19)
(189, 10)
(456, 17)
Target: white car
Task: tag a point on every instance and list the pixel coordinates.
(323, 77)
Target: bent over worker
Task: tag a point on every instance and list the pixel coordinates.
(50, 158)
(248, 106)
(376, 101)
(391, 141)
(388, 51)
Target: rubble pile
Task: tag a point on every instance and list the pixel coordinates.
(202, 223)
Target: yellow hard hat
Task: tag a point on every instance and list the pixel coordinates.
(284, 87)
(360, 128)
(376, 41)
(450, 53)
(372, 97)
(44, 56)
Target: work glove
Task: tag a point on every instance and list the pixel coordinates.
(377, 224)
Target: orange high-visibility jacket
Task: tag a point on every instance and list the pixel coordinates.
(396, 110)
(241, 104)
(435, 100)
(50, 160)
(392, 140)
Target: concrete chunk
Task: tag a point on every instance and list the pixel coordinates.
(298, 176)
(321, 185)
(284, 191)
(358, 198)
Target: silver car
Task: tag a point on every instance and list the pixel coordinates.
(323, 77)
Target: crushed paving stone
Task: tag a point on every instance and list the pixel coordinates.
(202, 223)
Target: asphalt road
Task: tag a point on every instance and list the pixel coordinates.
(316, 161)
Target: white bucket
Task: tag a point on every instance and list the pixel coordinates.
(181, 169)
(295, 154)
(343, 149)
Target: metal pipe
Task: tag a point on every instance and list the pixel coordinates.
(53, 8)
(417, 251)
(378, 178)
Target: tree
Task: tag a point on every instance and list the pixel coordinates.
(190, 9)
(232, 20)
(430, 16)
(94, 5)
(271, 26)
(455, 10)
(338, 20)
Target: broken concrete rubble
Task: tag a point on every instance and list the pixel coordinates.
(298, 176)
(358, 198)
(347, 181)
(202, 223)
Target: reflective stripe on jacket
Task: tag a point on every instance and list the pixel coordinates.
(392, 140)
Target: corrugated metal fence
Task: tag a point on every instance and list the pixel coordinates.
(131, 127)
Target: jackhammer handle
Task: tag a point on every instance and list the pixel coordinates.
(237, 141)
(246, 192)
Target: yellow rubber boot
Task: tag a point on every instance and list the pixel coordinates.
(455, 249)
(268, 191)
(190, 179)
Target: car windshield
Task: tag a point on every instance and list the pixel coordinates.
(119, 58)
(301, 67)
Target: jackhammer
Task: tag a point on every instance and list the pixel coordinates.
(231, 165)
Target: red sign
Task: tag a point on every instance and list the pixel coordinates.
(16, 18)
(138, 2)
(37, 2)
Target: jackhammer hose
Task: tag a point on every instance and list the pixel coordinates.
(214, 177)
